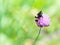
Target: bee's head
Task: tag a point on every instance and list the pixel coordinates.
(40, 14)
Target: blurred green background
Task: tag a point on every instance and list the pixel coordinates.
(17, 22)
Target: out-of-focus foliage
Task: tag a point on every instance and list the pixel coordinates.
(17, 21)
(55, 42)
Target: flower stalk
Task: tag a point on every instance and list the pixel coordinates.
(37, 36)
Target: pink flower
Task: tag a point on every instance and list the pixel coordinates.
(43, 20)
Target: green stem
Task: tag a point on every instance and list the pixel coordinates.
(37, 37)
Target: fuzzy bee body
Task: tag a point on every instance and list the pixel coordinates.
(38, 16)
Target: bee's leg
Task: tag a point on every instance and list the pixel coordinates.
(36, 17)
(36, 20)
